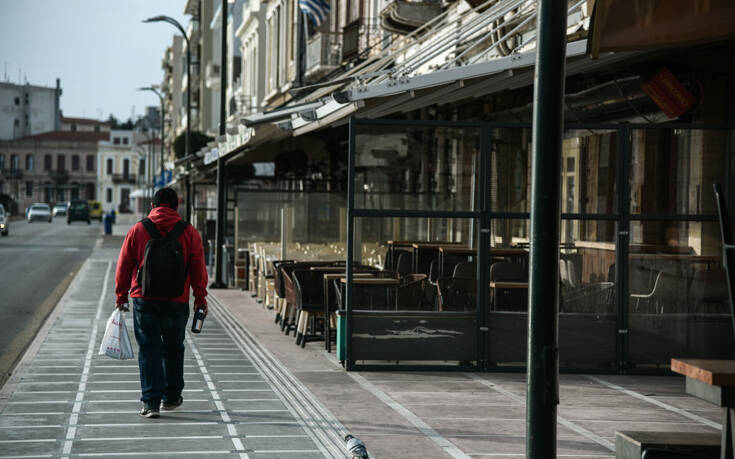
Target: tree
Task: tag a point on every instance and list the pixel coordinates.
(199, 140)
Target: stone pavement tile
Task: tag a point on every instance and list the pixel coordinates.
(33, 421)
(132, 417)
(150, 428)
(35, 408)
(487, 398)
(36, 433)
(31, 448)
(42, 397)
(607, 429)
(282, 428)
(41, 386)
(308, 454)
(279, 442)
(623, 413)
(150, 446)
(441, 412)
(273, 404)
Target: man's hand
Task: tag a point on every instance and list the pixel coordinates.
(123, 307)
(201, 307)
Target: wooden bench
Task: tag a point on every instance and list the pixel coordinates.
(633, 444)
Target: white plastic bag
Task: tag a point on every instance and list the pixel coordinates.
(116, 343)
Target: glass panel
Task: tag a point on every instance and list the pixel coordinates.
(587, 314)
(588, 171)
(416, 168)
(678, 305)
(412, 251)
(510, 170)
(316, 227)
(672, 170)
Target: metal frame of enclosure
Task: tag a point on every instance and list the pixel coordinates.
(616, 336)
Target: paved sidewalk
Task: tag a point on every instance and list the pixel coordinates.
(64, 400)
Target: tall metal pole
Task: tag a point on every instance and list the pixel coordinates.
(178, 25)
(543, 296)
(220, 228)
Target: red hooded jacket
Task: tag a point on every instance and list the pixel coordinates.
(133, 248)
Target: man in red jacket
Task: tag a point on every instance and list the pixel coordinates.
(160, 323)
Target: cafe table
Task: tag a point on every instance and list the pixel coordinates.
(509, 287)
(713, 381)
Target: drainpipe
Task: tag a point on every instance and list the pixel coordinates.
(220, 228)
(543, 295)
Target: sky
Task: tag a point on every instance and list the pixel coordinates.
(99, 49)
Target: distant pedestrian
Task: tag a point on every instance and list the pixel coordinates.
(161, 258)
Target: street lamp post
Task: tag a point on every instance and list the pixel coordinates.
(160, 98)
(176, 24)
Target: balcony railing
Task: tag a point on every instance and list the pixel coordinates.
(362, 37)
(13, 173)
(123, 178)
(323, 54)
(59, 176)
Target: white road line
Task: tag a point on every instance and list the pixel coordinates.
(138, 438)
(73, 419)
(151, 453)
(40, 440)
(560, 419)
(653, 401)
(217, 401)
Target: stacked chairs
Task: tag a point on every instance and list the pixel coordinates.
(509, 299)
(459, 292)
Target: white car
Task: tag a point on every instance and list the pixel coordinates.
(39, 211)
(60, 209)
(3, 221)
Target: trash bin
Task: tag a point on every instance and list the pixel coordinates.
(108, 224)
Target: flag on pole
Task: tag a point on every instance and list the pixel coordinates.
(317, 10)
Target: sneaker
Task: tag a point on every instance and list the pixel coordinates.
(147, 412)
(170, 406)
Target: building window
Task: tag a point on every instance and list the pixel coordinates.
(75, 163)
(17, 101)
(2, 161)
(47, 162)
(116, 140)
(61, 163)
(109, 195)
(29, 189)
(16, 123)
(96, 129)
(29, 162)
(125, 140)
(73, 126)
(14, 162)
(141, 167)
(126, 167)
(90, 163)
(109, 166)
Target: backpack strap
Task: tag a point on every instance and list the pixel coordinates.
(151, 228)
(177, 230)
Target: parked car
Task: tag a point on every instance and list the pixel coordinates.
(60, 209)
(78, 211)
(3, 221)
(40, 211)
(95, 210)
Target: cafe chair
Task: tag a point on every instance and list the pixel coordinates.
(280, 300)
(465, 269)
(404, 265)
(709, 292)
(411, 292)
(309, 291)
(643, 301)
(457, 293)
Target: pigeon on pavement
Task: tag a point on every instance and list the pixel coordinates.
(356, 448)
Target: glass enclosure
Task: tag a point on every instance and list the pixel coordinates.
(444, 207)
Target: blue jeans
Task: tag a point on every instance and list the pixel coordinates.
(160, 327)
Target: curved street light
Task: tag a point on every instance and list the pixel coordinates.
(175, 23)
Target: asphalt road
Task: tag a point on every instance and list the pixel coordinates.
(37, 263)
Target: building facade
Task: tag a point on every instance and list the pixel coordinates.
(120, 170)
(27, 110)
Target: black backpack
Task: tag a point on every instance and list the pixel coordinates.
(163, 273)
